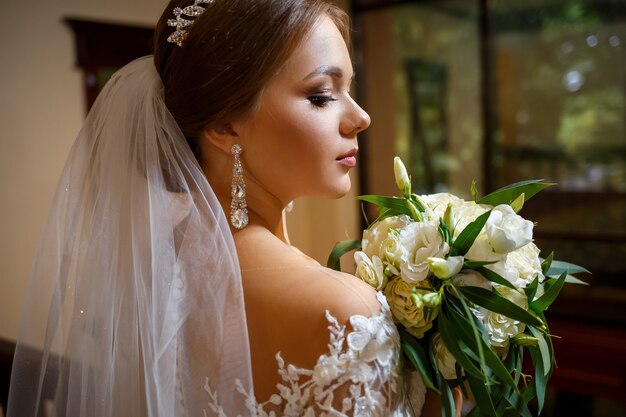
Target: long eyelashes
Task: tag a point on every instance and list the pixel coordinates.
(320, 100)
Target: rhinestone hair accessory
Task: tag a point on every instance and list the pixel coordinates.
(183, 21)
(238, 205)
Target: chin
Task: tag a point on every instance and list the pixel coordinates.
(341, 188)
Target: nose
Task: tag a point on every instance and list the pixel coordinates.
(356, 120)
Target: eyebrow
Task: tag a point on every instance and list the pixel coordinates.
(331, 70)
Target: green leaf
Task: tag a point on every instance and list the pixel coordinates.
(545, 264)
(540, 381)
(518, 203)
(496, 303)
(482, 396)
(417, 356)
(570, 279)
(340, 249)
(529, 392)
(418, 203)
(396, 205)
(508, 194)
(513, 404)
(448, 408)
(447, 332)
(544, 350)
(558, 267)
(465, 239)
(546, 299)
(476, 264)
(474, 190)
(444, 231)
(495, 277)
(489, 357)
(531, 289)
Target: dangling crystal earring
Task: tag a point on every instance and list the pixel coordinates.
(238, 208)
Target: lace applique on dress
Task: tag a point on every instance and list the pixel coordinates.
(361, 366)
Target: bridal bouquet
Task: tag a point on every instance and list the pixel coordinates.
(467, 289)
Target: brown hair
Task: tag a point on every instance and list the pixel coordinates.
(230, 54)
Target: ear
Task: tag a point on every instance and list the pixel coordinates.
(222, 137)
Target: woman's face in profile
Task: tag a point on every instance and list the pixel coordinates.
(301, 140)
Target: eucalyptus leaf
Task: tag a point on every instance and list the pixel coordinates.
(540, 380)
(546, 263)
(396, 205)
(514, 405)
(531, 289)
(489, 357)
(495, 277)
(448, 407)
(518, 203)
(447, 332)
(474, 190)
(508, 194)
(529, 392)
(498, 304)
(558, 267)
(476, 264)
(340, 249)
(546, 358)
(482, 396)
(465, 239)
(548, 297)
(417, 356)
(570, 279)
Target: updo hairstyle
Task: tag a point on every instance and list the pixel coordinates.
(230, 54)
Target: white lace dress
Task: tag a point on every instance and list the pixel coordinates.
(359, 376)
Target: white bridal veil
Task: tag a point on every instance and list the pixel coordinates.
(135, 298)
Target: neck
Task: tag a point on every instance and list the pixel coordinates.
(264, 210)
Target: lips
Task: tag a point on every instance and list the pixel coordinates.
(348, 159)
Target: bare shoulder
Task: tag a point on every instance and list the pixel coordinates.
(274, 270)
(287, 297)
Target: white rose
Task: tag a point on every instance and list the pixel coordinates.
(466, 213)
(525, 262)
(416, 320)
(445, 361)
(481, 250)
(506, 230)
(436, 204)
(501, 328)
(503, 269)
(370, 270)
(421, 241)
(463, 212)
(392, 251)
(378, 232)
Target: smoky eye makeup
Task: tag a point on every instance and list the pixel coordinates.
(320, 100)
(320, 95)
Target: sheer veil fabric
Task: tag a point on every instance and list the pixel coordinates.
(135, 298)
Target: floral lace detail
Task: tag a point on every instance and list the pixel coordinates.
(361, 366)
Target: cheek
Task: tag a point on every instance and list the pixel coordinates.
(303, 134)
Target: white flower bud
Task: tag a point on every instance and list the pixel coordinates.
(402, 177)
(417, 300)
(432, 299)
(445, 268)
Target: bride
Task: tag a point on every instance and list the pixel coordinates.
(165, 284)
